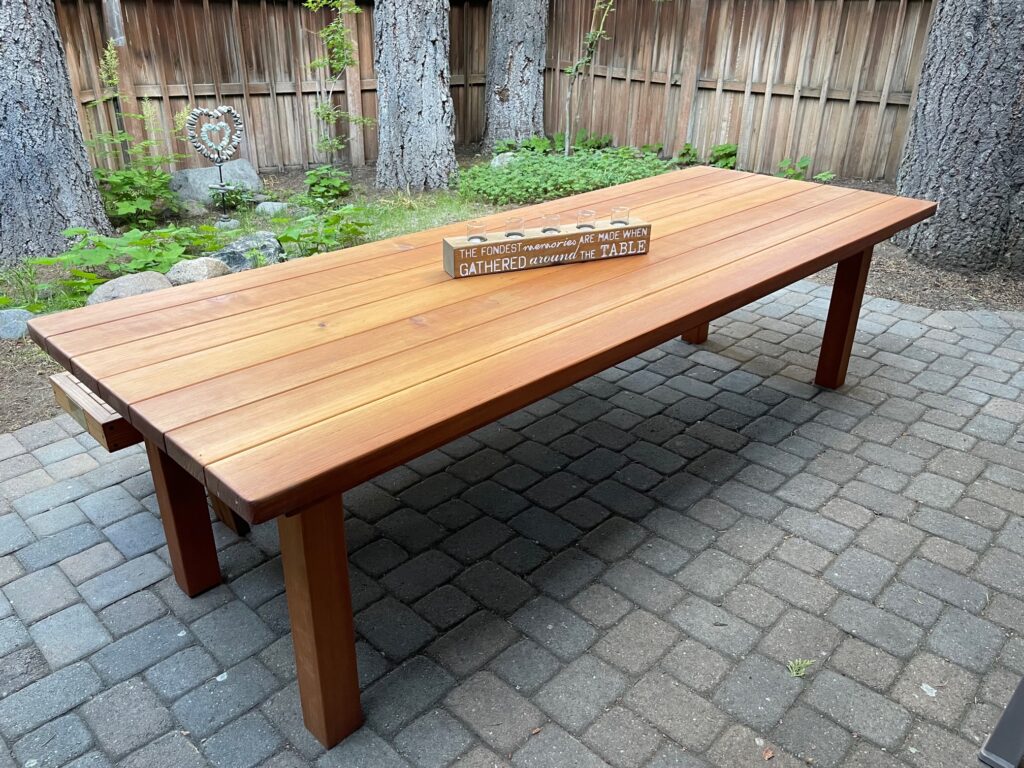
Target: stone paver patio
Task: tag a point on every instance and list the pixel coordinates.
(618, 574)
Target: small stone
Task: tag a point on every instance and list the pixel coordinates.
(194, 270)
(250, 251)
(14, 323)
(227, 224)
(129, 285)
(503, 159)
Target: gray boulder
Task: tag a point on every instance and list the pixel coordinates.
(14, 323)
(194, 270)
(227, 224)
(500, 161)
(193, 209)
(129, 285)
(271, 209)
(239, 254)
(194, 183)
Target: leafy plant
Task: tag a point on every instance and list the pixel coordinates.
(799, 667)
(539, 144)
(723, 156)
(824, 177)
(339, 53)
(326, 185)
(796, 171)
(584, 140)
(328, 231)
(133, 251)
(686, 156)
(654, 148)
(536, 177)
(504, 145)
(232, 198)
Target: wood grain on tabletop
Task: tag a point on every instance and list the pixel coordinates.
(282, 385)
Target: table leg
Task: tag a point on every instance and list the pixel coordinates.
(696, 335)
(186, 520)
(841, 325)
(227, 516)
(320, 605)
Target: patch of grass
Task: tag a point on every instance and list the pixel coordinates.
(402, 214)
(799, 667)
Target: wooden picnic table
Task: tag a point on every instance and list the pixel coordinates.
(280, 388)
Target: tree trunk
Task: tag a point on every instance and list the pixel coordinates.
(415, 115)
(514, 97)
(965, 148)
(46, 183)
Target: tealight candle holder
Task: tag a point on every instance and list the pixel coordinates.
(586, 219)
(551, 224)
(620, 215)
(514, 227)
(476, 232)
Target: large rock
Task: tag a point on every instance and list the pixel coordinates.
(194, 183)
(14, 323)
(500, 161)
(129, 285)
(194, 270)
(239, 254)
(271, 209)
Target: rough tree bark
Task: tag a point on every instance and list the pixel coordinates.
(514, 96)
(46, 183)
(415, 115)
(965, 148)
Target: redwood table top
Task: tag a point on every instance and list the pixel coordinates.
(280, 386)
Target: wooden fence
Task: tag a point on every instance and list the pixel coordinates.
(832, 79)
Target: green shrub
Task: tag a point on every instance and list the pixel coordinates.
(584, 140)
(326, 185)
(798, 170)
(137, 196)
(319, 233)
(723, 156)
(534, 177)
(232, 197)
(686, 156)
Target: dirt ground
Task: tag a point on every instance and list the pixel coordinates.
(25, 395)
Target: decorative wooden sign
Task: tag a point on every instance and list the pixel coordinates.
(470, 257)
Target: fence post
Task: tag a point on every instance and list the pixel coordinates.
(689, 73)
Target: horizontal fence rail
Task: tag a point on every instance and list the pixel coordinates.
(830, 79)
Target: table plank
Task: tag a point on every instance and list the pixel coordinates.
(339, 451)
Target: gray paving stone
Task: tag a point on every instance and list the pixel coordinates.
(90, 562)
(55, 744)
(891, 633)
(242, 744)
(126, 717)
(14, 534)
(758, 692)
(141, 649)
(636, 642)
(69, 635)
(675, 710)
(793, 586)
(219, 701)
(40, 594)
(232, 633)
(136, 535)
(944, 584)
(714, 627)
(566, 573)
(622, 739)
(494, 586)
(498, 715)
(933, 688)
(812, 738)
(580, 692)
(712, 574)
(123, 580)
(47, 699)
(554, 748)
(860, 573)
(967, 640)
(644, 586)
(173, 749)
(473, 643)
(865, 663)
(434, 740)
(859, 709)
(394, 628)
(181, 672)
(929, 745)
(525, 666)
(911, 604)
(398, 698)
(21, 668)
(555, 627)
(799, 635)
(132, 612)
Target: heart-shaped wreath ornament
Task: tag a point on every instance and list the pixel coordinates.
(216, 140)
